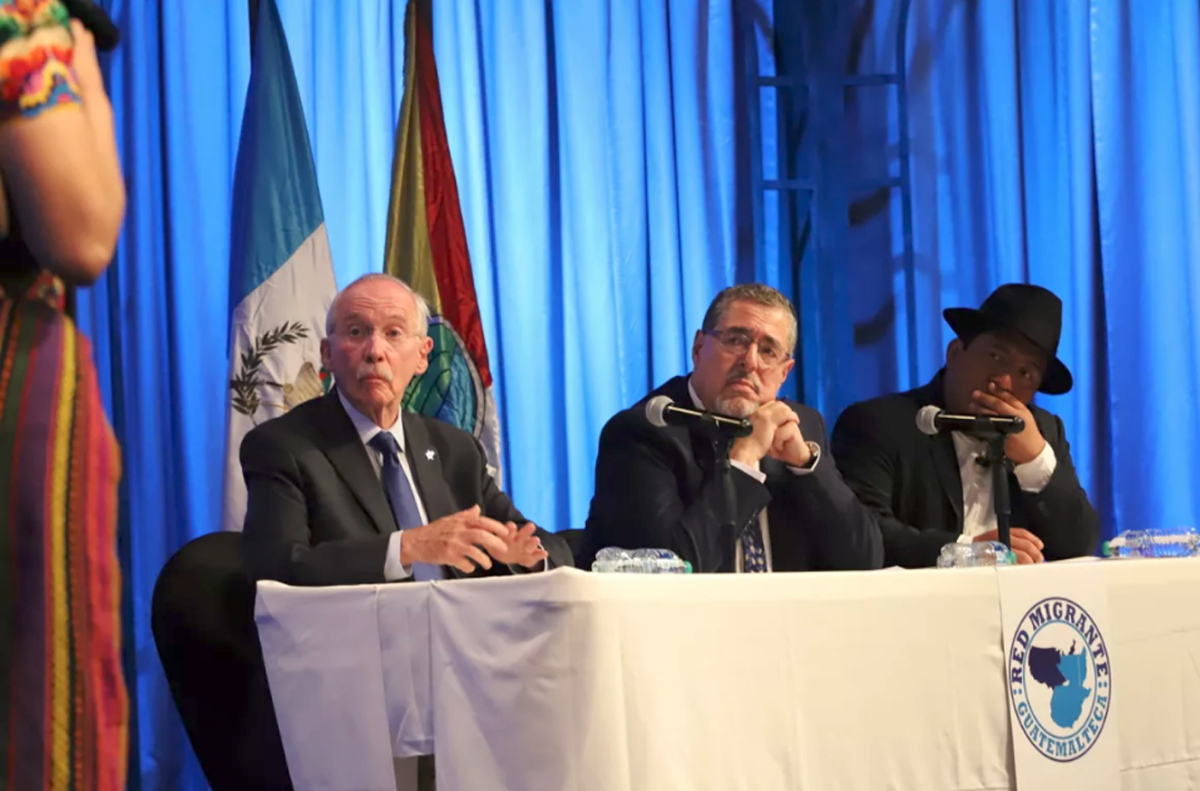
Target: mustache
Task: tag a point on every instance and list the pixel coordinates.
(734, 379)
(367, 369)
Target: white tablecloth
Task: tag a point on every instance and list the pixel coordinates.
(570, 680)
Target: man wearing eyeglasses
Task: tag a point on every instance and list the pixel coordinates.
(346, 489)
(660, 487)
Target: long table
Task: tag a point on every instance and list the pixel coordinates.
(571, 680)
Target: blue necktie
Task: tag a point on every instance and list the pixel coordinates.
(754, 556)
(395, 482)
(400, 496)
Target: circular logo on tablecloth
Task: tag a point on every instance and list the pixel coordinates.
(1060, 679)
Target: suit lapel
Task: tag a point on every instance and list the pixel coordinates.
(945, 459)
(941, 448)
(346, 453)
(426, 465)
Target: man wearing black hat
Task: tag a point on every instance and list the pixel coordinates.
(928, 491)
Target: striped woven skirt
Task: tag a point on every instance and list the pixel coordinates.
(63, 705)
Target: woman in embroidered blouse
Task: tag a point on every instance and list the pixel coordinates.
(63, 705)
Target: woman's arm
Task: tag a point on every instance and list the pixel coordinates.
(58, 152)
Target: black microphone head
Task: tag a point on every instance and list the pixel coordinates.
(656, 409)
(927, 419)
(97, 21)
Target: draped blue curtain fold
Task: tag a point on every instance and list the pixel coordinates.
(1146, 114)
(593, 144)
(1058, 178)
(349, 62)
(600, 155)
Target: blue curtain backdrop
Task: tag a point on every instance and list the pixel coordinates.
(602, 154)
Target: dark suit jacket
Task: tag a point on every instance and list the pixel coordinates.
(657, 488)
(912, 481)
(317, 513)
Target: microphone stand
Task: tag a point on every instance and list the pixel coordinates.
(1001, 499)
(722, 442)
(999, 464)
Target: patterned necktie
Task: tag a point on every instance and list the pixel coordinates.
(395, 482)
(754, 556)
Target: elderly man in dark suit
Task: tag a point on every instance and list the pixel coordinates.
(928, 491)
(660, 487)
(346, 489)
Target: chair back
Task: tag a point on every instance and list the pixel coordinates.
(202, 616)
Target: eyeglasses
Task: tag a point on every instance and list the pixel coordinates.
(362, 333)
(738, 341)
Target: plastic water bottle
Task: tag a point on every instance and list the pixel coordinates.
(1179, 542)
(977, 553)
(614, 560)
(610, 560)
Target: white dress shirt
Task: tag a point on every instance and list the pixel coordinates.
(367, 429)
(979, 509)
(757, 474)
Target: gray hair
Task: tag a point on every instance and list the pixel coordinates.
(758, 294)
(422, 305)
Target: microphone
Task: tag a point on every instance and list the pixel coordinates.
(98, 23)
(932, 420)
(661, 412)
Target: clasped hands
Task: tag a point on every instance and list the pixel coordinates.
(469, 539)
(776, 434)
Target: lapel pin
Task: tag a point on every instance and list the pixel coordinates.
(429, 455)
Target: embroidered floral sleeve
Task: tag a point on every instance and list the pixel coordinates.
(35, 57)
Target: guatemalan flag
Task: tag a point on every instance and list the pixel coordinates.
(282, 281)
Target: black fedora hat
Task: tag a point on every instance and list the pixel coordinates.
(1030, 311)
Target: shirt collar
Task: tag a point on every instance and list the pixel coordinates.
(367, 428)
